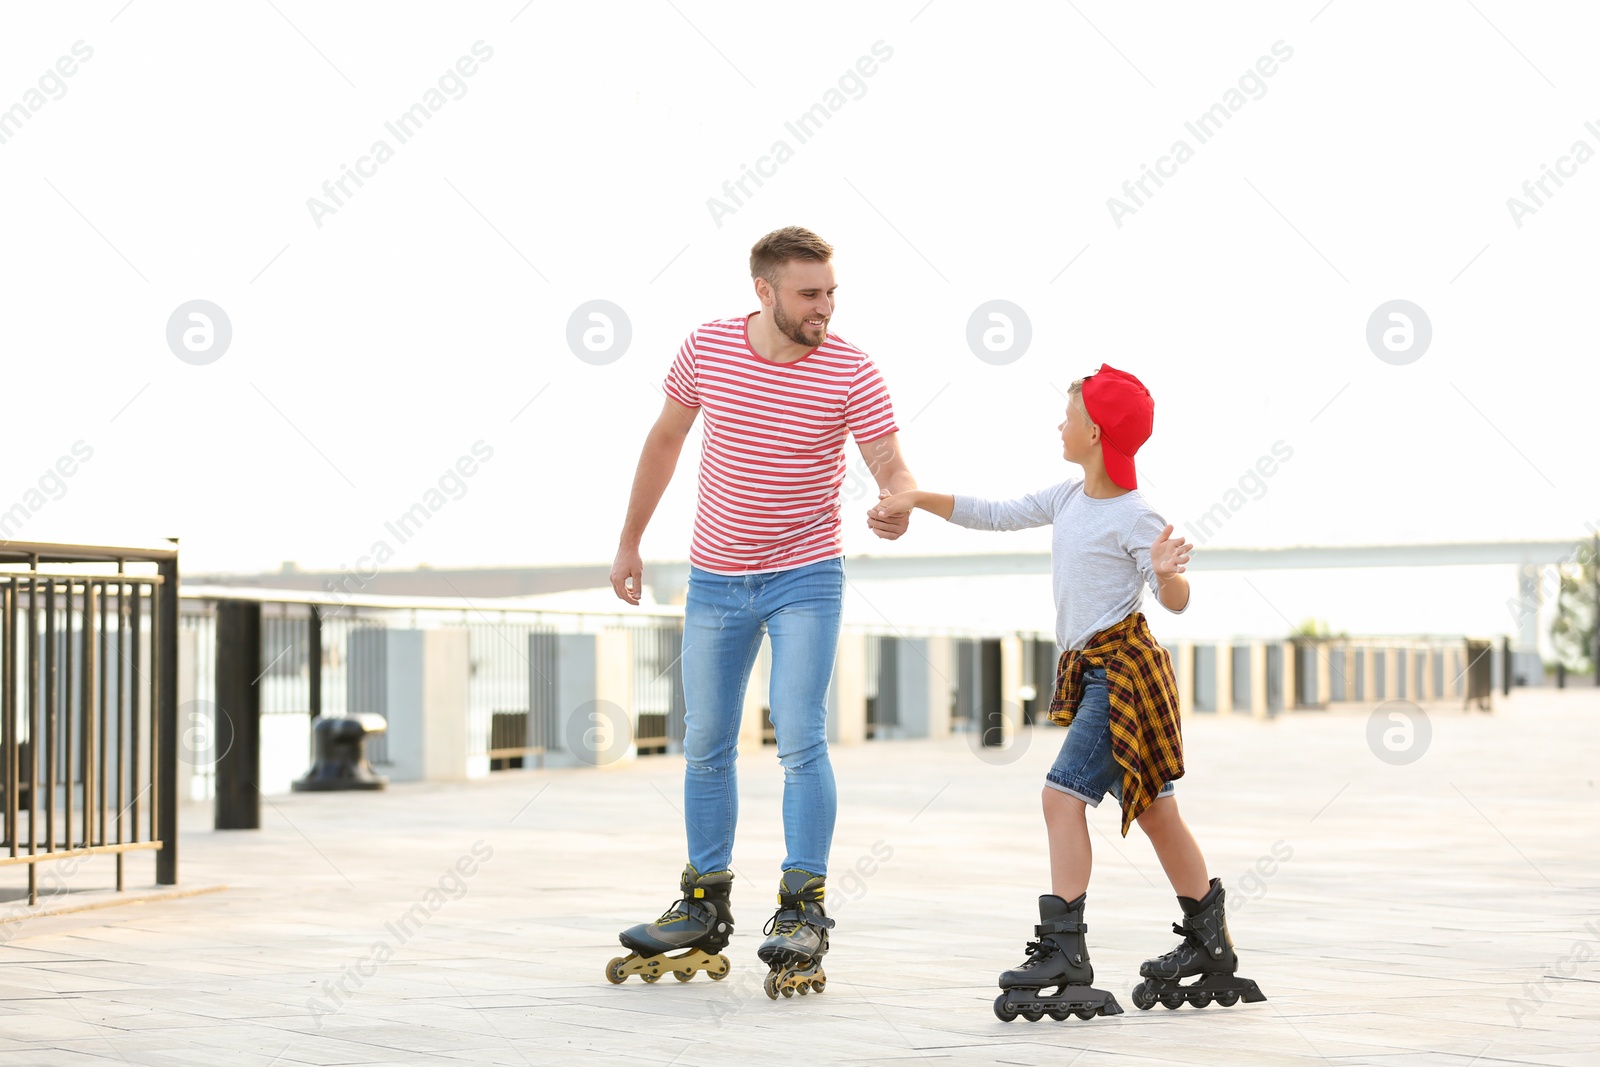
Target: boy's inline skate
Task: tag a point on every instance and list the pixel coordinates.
(1060, 958)
(798, 936)
(1206, 950)
(700, 922)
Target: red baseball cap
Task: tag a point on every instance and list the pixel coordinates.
(1122, 407)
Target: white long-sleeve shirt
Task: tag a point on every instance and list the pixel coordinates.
(1099, 557)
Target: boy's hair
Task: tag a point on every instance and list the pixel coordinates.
(780, 246)
(1075, 396)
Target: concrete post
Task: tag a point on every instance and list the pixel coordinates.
(1011, 686)
(1258, 680)
(1324, 673)
(427, 675)
(613, 683)
(1531, 603)
(915, 684)
(940, 666)
(191, 717)
(1224, 678)
(847, 721)
(1183, 671)
(1291, 677)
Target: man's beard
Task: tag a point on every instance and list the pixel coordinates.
(795, 330)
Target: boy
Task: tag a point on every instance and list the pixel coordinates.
(1115, 686)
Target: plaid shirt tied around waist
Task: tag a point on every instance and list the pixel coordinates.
(1145, 734)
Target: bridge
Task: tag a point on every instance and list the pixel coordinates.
(669, 577)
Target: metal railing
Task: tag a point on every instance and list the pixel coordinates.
(88, 669)
(329, 656)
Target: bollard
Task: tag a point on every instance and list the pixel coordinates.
(340, 761)
(238, 769)
(989, 706)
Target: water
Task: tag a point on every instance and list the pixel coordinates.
(1224, 604)
(1373, 601)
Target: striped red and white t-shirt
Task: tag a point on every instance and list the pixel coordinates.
(773, 461)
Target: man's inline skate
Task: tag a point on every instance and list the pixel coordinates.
(1059, 959)
(797, 936)
(1206, 950)
(700, 922)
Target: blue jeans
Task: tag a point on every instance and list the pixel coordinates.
(1086, 767)
(723, 619)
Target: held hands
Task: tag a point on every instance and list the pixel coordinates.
(1169, 557)
(892, 516)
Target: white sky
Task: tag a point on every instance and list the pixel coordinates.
(374, 351)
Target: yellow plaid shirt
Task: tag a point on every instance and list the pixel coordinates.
(1145, 733)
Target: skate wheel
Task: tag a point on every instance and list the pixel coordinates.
(650, 977)
(803, 988)
(818, 983)
(1142, 997)
(1085, 1014)
(1032, 1015)
(1059, 1014)
(684, 976)
(1172, 1001)
(771, 985)
(1200, 1000)
(614, 973)
(787, 990)
(1228, 999)
(1003, 1011)
(717, 976)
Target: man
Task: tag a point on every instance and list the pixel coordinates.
(780, 394)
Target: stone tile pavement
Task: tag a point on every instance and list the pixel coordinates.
(1442, 912)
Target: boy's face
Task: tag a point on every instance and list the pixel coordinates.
(1079, 436)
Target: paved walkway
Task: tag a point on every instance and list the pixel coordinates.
(1441, 912)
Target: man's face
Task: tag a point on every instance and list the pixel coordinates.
(803, 301)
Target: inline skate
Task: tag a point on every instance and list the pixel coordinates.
(1206, 950)
(1059, 959)
(797, 936)
(700, 922)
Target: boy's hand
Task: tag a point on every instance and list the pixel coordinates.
(893, 504)
(890, 522)
(1169, 557)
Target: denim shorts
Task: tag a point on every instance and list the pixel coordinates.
(1086, 767)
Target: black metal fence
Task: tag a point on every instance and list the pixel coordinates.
(333, 658)
(88, 712)
(534, 677)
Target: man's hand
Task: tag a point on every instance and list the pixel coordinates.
(892, 516)
(1168, 557)
(627, 569)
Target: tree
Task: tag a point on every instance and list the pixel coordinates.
(1315, 629)
(1577, 609)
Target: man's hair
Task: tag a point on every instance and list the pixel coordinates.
(780, 246)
